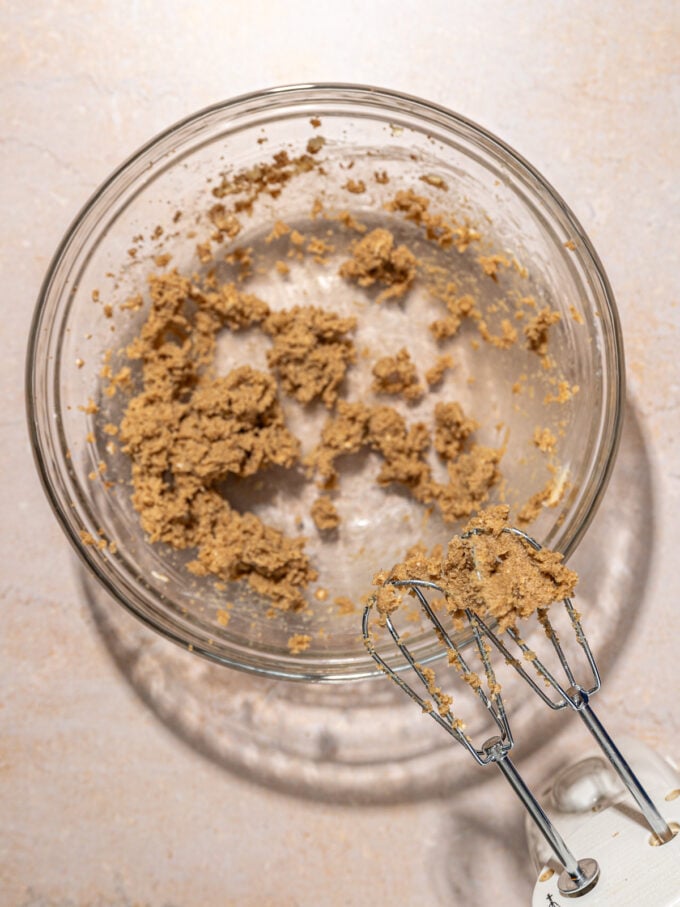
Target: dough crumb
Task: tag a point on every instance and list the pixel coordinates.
(278, 230)
(549, 496)
(375, 259)
(435, 374)
(438, 228)
(433, 180)
(266, 178)
(355, 186)
(536, 332)
(227, 225)
(223, 617)
(502, 341)
(349, 221)
(324, 514)
(452, 428)
(545, 440)
(576, 315)
(563, 393)
(458, 309)
(299, 642)
(397, 375)
(90, 408)
(490, 264)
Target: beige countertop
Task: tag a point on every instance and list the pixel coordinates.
(107, 798)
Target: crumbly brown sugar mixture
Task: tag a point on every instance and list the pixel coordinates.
(186, 432)
(536, 332)
(451, 429)
(403, 450)
(488, 570)
(438, 227)
(232, 425)
(498, 574)
(435, 373)
(311, 352)
(299, 642)
(192, 433)
(376, 259)
(325, 514)
(397, 375)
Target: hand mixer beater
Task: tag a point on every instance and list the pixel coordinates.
(627, 869)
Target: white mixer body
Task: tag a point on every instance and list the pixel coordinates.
(598, 819)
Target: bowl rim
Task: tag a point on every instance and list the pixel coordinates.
(307, 92)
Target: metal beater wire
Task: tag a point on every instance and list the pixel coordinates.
(579, 875)
(576, 695)
(572, 694)
(494, 703)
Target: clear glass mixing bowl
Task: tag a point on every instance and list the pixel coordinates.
(366, 131)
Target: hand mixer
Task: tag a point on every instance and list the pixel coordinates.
(623, 870)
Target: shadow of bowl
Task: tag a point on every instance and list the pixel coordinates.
(363, 742)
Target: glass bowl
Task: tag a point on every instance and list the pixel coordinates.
(153, 213)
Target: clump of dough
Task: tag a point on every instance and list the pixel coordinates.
(549, 496)
(387, 599)
(497, 574)
(299, 642)
(458, 309)
(233, 308)
(236, 546)
(471, 476)
(435, 374)
(439, 228)
(311, 351)
(375, 259)
(232, 425)
(403, 450)
(418, 564)
(186, 432)
(545, 440)
(490, 571)
(380, 428)
(325, 514)
(397, 375)
(451, 429)
(265, 178)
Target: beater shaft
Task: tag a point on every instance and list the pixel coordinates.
(654, 819)
(573, 694)
(579, 875)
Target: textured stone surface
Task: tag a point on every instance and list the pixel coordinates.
(102, 804)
